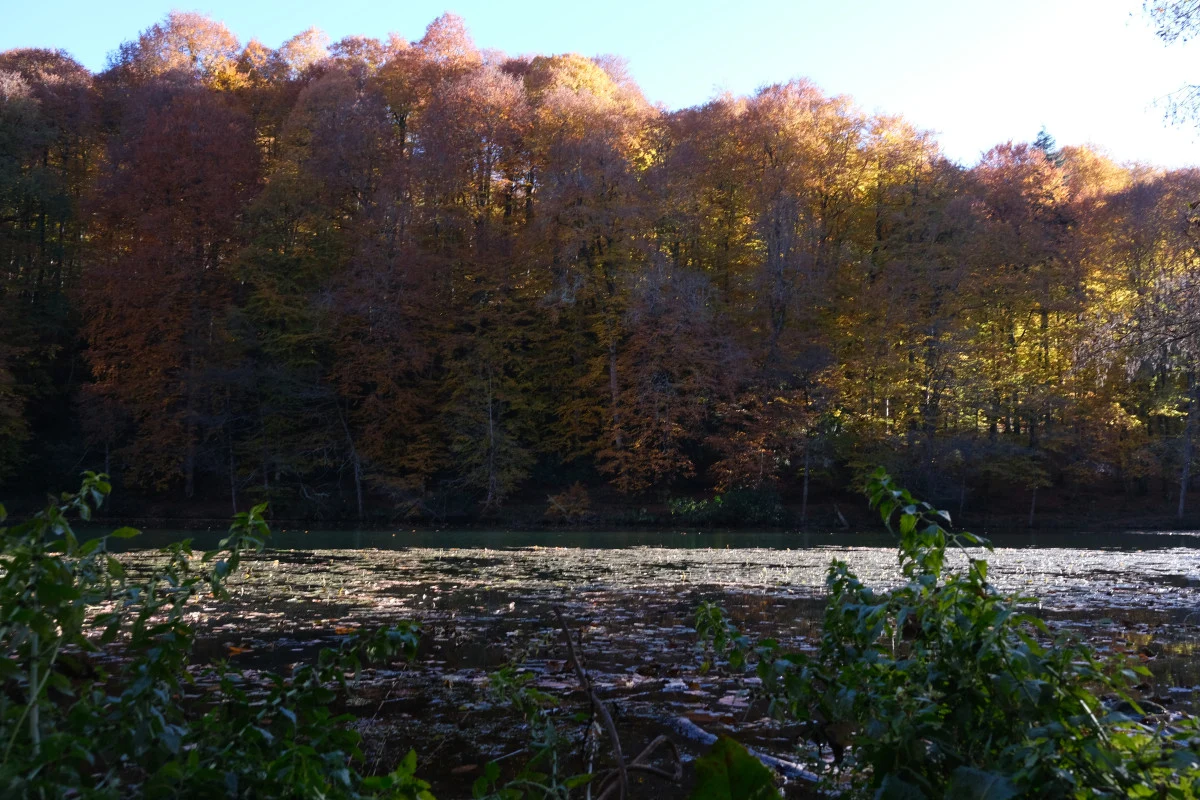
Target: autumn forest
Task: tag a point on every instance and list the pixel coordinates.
(374, 279)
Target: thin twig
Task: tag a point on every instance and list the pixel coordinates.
(599, 707)
(641, 764)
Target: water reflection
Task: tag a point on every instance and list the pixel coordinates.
(675, 539)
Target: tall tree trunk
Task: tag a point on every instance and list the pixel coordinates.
(1185, 472)
(1033, 506)
(262, 432)
(355, 461)
(189, 463)
(618, 439)
(232, 478)
(492, 481)
(358, 492)
(804, 501)
(189, 456)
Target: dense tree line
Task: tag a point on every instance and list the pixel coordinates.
(387, 277)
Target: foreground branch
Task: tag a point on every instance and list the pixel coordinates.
(617, 779)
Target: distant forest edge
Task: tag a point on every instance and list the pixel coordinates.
(381, 280)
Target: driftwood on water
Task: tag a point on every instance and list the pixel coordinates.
(690, 730)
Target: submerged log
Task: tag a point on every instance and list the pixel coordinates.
(789, 769)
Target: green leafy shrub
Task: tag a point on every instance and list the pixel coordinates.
(944, 688)
(70, 727)
(542, 775)
(737, 507)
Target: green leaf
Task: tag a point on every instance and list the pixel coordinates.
(110, 632)
(729, 772)
(975, 784)
(491, 773)
(894, 788)
(575, 781)
(125, 533)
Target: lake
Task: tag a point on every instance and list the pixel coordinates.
(487, 598)
(681, 538)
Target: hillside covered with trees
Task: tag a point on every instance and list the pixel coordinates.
(382, 279)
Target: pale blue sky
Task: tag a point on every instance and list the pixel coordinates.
(976, 73)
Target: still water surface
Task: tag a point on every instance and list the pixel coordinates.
(313, 539)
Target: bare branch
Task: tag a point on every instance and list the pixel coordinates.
(1174, 20)
(601, 710)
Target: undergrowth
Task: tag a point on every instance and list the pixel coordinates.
(74, 723)
(944, 687)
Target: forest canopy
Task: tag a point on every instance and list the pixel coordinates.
(375, 276)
